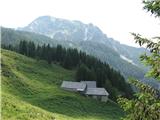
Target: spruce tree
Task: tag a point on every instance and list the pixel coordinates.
(23, 47)
(38, 52)
(49, 54)
(68, 61)
(59, 53)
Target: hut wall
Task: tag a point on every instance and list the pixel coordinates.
(104, 98)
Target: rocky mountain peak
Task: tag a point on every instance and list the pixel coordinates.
(62, 29)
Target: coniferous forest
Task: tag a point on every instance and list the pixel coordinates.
(87, 67)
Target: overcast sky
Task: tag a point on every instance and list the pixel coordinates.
(116, 18)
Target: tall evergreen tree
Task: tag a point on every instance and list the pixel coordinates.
(85, 74)
(31, 49)
(53, 53)
(59, 53)
(44, 51)
(68, 61)
(49, 54)
(38, 52)
(23, 47)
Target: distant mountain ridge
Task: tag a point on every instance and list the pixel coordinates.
(61, 29)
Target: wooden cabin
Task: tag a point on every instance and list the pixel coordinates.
(87, 88)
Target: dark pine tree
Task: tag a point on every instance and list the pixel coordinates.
(38, 52)
(23, 47)
(84, 73)
(31, 49)
(49, 54)
(68, 61)
(59, 53)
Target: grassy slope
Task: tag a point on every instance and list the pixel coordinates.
(31, 90)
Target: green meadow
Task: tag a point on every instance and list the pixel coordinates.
(30, 90)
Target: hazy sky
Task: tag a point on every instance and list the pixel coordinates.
(116, 18)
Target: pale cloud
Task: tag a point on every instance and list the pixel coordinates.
(116, 18)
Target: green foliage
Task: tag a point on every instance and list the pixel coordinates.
(49, 54)
(31, 91)
(153, 6)
(144, 106)
(85, 74)
(23, 47)
(26, 48)
(153, 59)
(67, 61)
(146, 103)
(59, 53)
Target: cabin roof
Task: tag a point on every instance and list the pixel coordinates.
(90, 84)
(96, 91)
(74, 85)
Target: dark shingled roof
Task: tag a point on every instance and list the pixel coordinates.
(90, 84)
(74, 85)
(96, 91)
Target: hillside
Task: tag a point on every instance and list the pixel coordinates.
(31, 91)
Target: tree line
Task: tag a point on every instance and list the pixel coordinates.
(88, 68)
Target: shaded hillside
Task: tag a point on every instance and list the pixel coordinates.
(113, 59)
(31, 91)
(10, 36)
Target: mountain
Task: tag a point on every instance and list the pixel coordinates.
(31, 91)
(61, 29)
(92, 40)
